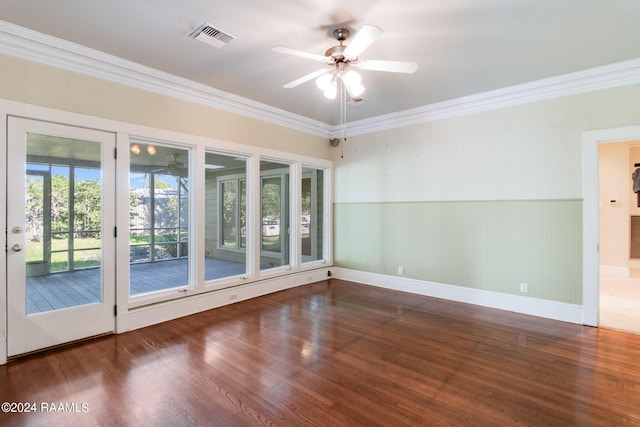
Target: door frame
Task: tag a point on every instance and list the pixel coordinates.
(53, 328)
(591, 215)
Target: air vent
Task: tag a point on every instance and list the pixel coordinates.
(216, 37)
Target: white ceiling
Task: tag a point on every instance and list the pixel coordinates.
(462, 47)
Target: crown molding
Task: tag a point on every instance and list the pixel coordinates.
(34, 46)
(604, 77)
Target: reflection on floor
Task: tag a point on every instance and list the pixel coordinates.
(620, 302)
(63, 290)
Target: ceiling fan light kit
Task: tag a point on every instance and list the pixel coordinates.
(328, 83)
(136, 149)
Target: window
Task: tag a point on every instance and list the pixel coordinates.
(233, 218)
(311, 210)
(63, 197)
(225, 216)
(64, 206)
(274, 209)
(158, 217)
(246, 219)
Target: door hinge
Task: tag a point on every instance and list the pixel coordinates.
(115, 153)
(115, 310)
(115, 231)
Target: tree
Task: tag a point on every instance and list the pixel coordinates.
(87, 204)
(34, 210)
(271, 201)
(87, 198)
(59, 203)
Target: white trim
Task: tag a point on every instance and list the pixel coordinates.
(591, 214)
(3, 352)
(30, 45)
(123, 142)
(33, 46)
(604, 77)
(530, 306)
(3, 240)
(153, 314)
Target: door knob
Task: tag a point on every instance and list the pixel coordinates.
(17, 229)
(17, 247)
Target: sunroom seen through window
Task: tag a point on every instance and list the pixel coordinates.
(312, 218)
(274, 208)
(225, 216)
(158, 218)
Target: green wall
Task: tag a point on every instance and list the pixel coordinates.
(487, 245)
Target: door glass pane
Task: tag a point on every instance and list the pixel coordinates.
(63, 212)
(225, 216)
(311, 231)
(158, 218)
(274, 208)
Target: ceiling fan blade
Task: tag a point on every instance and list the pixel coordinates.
(367, 35)
(299, 53)
(391, 66)
(306, 78)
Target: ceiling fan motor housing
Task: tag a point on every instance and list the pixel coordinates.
(341, 34)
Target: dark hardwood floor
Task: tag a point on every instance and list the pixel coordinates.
(337, 353)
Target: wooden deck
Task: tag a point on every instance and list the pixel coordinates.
(63, 290)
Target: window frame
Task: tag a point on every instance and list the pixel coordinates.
(238, 178)
(163, 294)
(311, 173)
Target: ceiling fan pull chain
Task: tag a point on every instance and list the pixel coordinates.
(343, 115)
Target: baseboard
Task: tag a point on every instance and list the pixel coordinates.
(531, 306)
(3, 352)
(614, 271)
(149, 315)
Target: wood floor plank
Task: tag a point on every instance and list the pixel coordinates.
(338, 353)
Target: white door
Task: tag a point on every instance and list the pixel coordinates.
(60, 234)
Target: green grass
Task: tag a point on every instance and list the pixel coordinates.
(90, 257)
(271, 243)
(83, 258)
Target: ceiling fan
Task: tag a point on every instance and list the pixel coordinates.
(340, 60)
(173, 166)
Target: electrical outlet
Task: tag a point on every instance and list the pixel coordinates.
(524, 288)
(400, 271)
